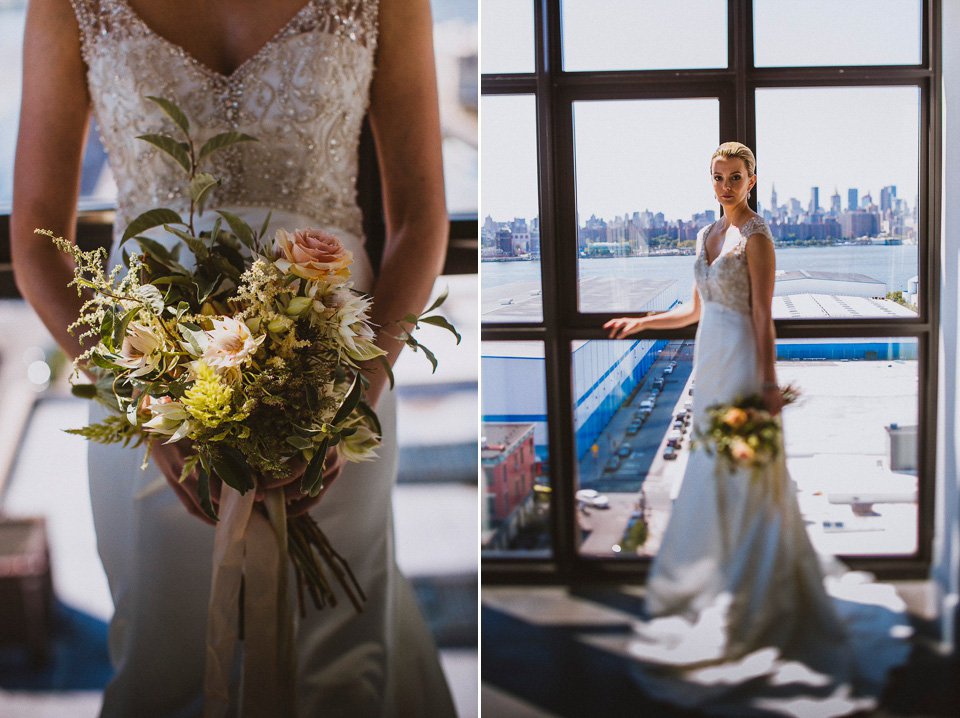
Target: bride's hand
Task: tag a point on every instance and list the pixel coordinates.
(298, 503)
(624, 326)
(773, 399)
(171, 457)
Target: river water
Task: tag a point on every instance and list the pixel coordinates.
(893, 265)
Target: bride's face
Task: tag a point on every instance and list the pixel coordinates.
(731, 183)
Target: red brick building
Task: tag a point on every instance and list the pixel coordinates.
(509, 468)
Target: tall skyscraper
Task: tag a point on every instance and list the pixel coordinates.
(852, 201)
(835, 202)
(773, 198)
(814, 199)
(887, 195)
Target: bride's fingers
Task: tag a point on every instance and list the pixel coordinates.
(296, 467)
(333, 463)
(190, 500)
(615, 326)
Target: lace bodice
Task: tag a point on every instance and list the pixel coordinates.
(303, 95)
(726, 280)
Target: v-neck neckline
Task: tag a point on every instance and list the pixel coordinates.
(721, 253)
(203, 67)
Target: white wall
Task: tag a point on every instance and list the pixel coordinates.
(946, 567)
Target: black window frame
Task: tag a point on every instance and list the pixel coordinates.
(554, 91)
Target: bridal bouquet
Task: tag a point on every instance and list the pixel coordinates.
(743, 434)
(249, 350)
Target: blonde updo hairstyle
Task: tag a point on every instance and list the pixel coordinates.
(730, 150)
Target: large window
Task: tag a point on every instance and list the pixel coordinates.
(598, 126)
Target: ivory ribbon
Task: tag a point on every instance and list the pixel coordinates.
(247, 546)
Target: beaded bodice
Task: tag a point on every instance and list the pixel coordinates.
(303, 96)
(726, 280)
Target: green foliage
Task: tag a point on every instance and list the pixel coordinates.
(222, 141)
(635, 536)
(900, 299)
(112, 429)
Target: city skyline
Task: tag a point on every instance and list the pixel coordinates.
(824, 205)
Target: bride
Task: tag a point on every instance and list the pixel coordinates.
(299, 77)
(743, 620)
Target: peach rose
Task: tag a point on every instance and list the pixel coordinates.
(741, 451)
(312, 254)
(735, 418)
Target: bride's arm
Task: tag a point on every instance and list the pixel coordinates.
(54, 113)
(404, 116)
(762, 265)
(680, 316)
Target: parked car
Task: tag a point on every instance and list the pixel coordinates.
(668, 371)
(679, 424)
(624, 451)
(647, 404)
(674, 437)
(592, 497)
(633, 428)
(658, 383)
(613, 464)
(670, 453)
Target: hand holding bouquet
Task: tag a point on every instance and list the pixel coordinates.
(743, 433)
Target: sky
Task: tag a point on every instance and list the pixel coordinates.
(637, 155)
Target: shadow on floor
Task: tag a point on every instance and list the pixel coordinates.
(551, 660)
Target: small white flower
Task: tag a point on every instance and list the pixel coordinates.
(357, 340)
(141, 350)
(170, 418)
(230, 343)
(360, 446)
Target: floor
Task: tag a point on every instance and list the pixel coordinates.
(546, 654)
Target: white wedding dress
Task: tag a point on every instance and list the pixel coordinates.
(744, 620)
(303, 95)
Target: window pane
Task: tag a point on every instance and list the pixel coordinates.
(507, 36)
(510, 231)
(827, 32)
(455, 42)
(643, 192)
(852, 250)
(513, 449)
(628, 395)
(652, 35)
(851, 441)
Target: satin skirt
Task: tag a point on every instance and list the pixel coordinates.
(380, 663)
(745, 618)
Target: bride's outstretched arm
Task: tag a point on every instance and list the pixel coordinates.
(404, 116)
(680, 316)
(54, 112)
(763, 265)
